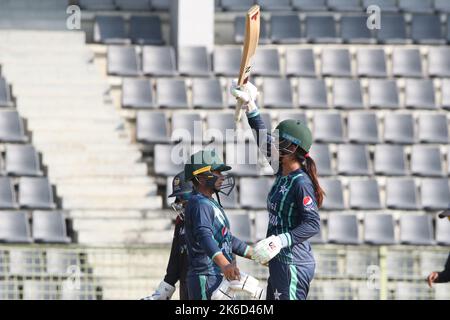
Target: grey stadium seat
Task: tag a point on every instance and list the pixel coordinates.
(193, 61)
(433, 128)
(187, 127)
(334, 197)
(426, 160)
(310, 5)
(322, 157)
(158, 61)
(354, 30)
(379, 229)
(240, 226)
(7, 194)
(406, 63)
(442, 232)
(22, 160)
(49, 227)
(371, 63)
(393, 29)
(277, 93)
(385, 5)
(285, 28)
(364, 194)
(448, 157)
(239, 31)
(399, 128)
(347, 94)
(97, 4)
(164, 162)
(328, 127)
(242, 157)
(274, 5)
(283, 115)
(439, 62)
(344, 5)
(266, 63)
(336, 63)
(253, 192)
(130, 5)
(300, 62)
(160, 5)
(401, 193)
(171, 93)
(14, 227)
(220, 127)
(312, 93)
(207, 93)
(5, 94)
(419, 94)
(39, 290)
(383, 94)
(390, 160)
(236, 5)
(11, 127)
(230, 201)
(416, 230)
(146, 30)
(321, 29)
(435, 194)
(110, 30)
(353, 159)
(343, 229)
(426, 29)
(445, 93)
(416, 6)
(123, 61)
(442, 6)
(362, 127)
(36, 193)
(151, 127)
(227, 61)
(137, 93)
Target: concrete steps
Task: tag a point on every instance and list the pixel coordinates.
(128, 238)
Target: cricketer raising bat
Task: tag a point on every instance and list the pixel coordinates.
(250, 43)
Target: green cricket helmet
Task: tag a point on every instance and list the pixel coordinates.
(181, 188)
(290, 132)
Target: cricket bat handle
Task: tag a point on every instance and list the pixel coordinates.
(238, 111)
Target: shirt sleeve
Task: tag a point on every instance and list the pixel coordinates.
(238, 246)
(444, 276)
(173, 267)
(309, 218)
(262, 136)
(202, 222)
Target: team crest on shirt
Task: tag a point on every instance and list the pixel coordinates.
(283, 189)
(307, 202)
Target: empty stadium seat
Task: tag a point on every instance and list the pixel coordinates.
(334, 198)
(218, 124)
(390, 160)
(274, 5)
(97, 4)
(110, 30)
(354, 30)
(322, 157)
(266, 63)
(426, 29)
(442, 232)
(406, 63)
(207, 93)
(36, 193)
(300, 62)
(321, 29)
(312, 93)
(123, 61)
(309, 5)
(435, 194)
(362, 127)
(240, 226)
(22, 160)
(277, 93)
(49, 227)
(442, 6)
(158, 61)
(137, 93)
(160, 5)
(236, 5)
(285, 28)
(242, 157)
(239, 30)
(439, 62)
(146, 30)
(433, 128)
(399, 128)
(7, 194)
(353, 160)
(343, 229)
(344, 5)
(328, 127)
(416, 6)
(11, 127)
(379, 229)
(393, 30)
(131, 5)
(371, 63)
(416, 230)
(419, 94)
(230, 201)
(165, 163)
(151, 127)
(283, 115)
(227, 61)
(193, 61)
(385, 5)
(364, 194)
(253, 192)
(61, 262)
(39, 290)
(187, 127)
(14, 228)
(336, 63)
(171, 93)
(426, 160)
(383, 94)
(401, 193)
(347, 94)
(5, 94)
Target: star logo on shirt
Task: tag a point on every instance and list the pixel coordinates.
(283, 189)
(277, 294)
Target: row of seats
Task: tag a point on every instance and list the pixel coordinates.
(124, 5)
(287, 28)
(299, 62)
(46, 227)
(20, 160)
(33, 193)
(327, 127)
(280, 93)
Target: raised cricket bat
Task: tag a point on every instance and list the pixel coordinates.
(250, 44)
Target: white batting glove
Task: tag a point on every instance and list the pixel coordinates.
(163, 292)
(268, 248)
(248, 284)
(247, 94)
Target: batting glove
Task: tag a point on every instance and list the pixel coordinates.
(268, 248)
(247, 94)
(163, 292)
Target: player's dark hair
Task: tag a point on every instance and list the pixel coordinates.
(310, 167)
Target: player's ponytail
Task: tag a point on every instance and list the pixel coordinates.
(310, 167)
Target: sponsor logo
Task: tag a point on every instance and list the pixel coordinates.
(307, 201)
(224, 231)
